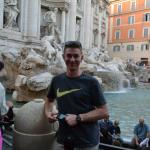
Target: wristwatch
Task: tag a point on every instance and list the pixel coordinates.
(78, 118)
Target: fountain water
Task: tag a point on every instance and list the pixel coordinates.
(127, 107)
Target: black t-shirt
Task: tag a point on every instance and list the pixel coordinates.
(77, 95)
(117, 130)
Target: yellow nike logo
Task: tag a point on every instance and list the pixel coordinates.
(60, 94)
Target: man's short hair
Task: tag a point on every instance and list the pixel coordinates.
(72, 44)
(1, 65)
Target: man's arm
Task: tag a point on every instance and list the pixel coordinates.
(49, 112)
(94, 115)
(148, 131)
(135, 135)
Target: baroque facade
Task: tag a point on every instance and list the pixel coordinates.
(25, 22)
(129, 30)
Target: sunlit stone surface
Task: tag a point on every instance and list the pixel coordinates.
(32, 130)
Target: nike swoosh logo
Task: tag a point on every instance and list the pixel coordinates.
(60, 94)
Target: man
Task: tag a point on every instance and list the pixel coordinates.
(145, 144)
(3, 106)
(80, 103)
(6, 112)
(141, 131)
(106, 130)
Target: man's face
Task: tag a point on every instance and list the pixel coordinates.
(72, 58)
(141, 121)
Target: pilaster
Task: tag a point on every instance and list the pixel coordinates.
(30, 20)
(63, 23)
(87, 24)
(71, 26)
(1, 13)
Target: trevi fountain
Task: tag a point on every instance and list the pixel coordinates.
(32, 34)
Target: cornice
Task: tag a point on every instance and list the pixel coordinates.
(62, 4)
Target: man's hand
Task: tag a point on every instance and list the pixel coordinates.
(71, 119)
(9, 104)
(136, 142)
(52, 116)
(50, 111)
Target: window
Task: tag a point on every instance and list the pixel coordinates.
(147, 17)
(119, 8)
(130, 19)
(145, 32)
(130, 47)
(144, 47)
(117, 34)
(116, 48)
(118, 21)
(131, 33)
(147, 3)
(133, 4)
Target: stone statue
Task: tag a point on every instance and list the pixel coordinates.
(50, 47)
(50, 19)
(79, 3)
(95, 37)
(77, 29)
(53, 52)
(10, 13)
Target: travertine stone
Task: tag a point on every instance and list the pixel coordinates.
(32, 131)
(30, 20)
(39, 82)
(63, 20)
(1, 13)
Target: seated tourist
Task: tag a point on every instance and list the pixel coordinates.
(106, 130)
(141, 131)
(117, 140)
(145, 144)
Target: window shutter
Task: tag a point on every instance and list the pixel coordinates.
(144, 17)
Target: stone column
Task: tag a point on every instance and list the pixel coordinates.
(30, 19)
(87, 24)
(63, 25)
(1, 13)
(100, 28)
(72, 21)
(110, 29)
(92, 29)
(106, 35)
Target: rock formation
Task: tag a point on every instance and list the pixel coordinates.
(30, 70)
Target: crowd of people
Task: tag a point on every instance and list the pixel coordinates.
(110, 133)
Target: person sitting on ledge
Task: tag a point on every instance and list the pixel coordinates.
(6, 108)
(117, 140)
(141, 131)
(145, 144)
(106, 130)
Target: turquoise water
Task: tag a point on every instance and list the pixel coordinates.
(127, 107)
